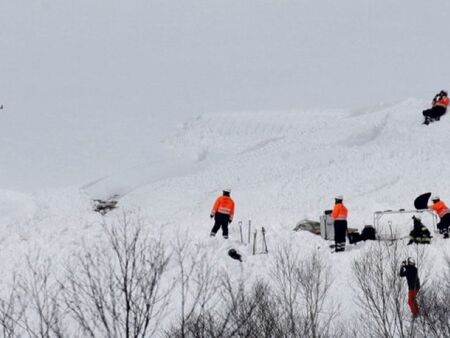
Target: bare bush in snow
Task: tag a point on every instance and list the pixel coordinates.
(116, 290)
(197, 283)
(301, 290)
(434, 303)
(33, 306)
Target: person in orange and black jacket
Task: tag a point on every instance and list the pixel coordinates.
(339, 215)
(223, 212)
(409, 270)
(444, 214)
(438, 107)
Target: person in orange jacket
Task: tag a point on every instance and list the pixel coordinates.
(438, 107)
(339, 214)
(223, 212)
(444, 214)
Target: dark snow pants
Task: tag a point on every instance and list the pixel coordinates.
(444, 224)
(340, 231)
(434, 113)
(221, 221)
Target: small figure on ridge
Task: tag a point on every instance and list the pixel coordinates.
(438, 107)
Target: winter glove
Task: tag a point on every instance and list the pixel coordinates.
(229, 221)
(211, 215)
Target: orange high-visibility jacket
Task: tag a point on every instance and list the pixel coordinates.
(340, 212)
(223, 205)
(444, 101)
(440, 208)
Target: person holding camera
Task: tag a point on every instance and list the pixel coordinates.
(420, 233)
(409, 270)
(222, 212)
(438, 107)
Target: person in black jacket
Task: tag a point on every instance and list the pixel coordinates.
(409, 270)
(420, 233)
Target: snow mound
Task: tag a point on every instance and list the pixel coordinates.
(16, 208)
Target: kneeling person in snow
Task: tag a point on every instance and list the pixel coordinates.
(223, 212)
(339, 214)
(409, 270)
(420, 234)
(439, 107)
(444, 214)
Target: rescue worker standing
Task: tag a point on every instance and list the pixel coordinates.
(339, 215)
(420, 233)
(438, 107)
(444, 214)
(223, 212)
(409, 270)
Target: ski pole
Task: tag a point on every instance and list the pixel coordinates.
(390, 230)
(240, 230)
(264, 240)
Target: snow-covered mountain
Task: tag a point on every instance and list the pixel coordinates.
(283, 166)
(165, 103)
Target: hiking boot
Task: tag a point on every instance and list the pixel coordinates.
(446, 235)
(212, 234)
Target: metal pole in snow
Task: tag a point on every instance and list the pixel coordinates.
(240, 230)
(254, 242)
(264, 240)
(249, 231)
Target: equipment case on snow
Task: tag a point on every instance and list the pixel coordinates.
(327, 226)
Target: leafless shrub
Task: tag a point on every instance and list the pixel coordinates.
(33, 306)
(434, 306)
(11, 311)
(116, 290)
(197, 283)
(302, 288)
(236, 312)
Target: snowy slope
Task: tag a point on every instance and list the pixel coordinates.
(283, 166)
(168, 102)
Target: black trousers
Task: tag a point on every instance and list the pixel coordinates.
(221, 221)
(435, 112)
(444, 224)
(340, 231)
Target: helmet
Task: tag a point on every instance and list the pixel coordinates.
(228, 190)
(411, 261)
(444, 92)
(435, 198)
(339, 197)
